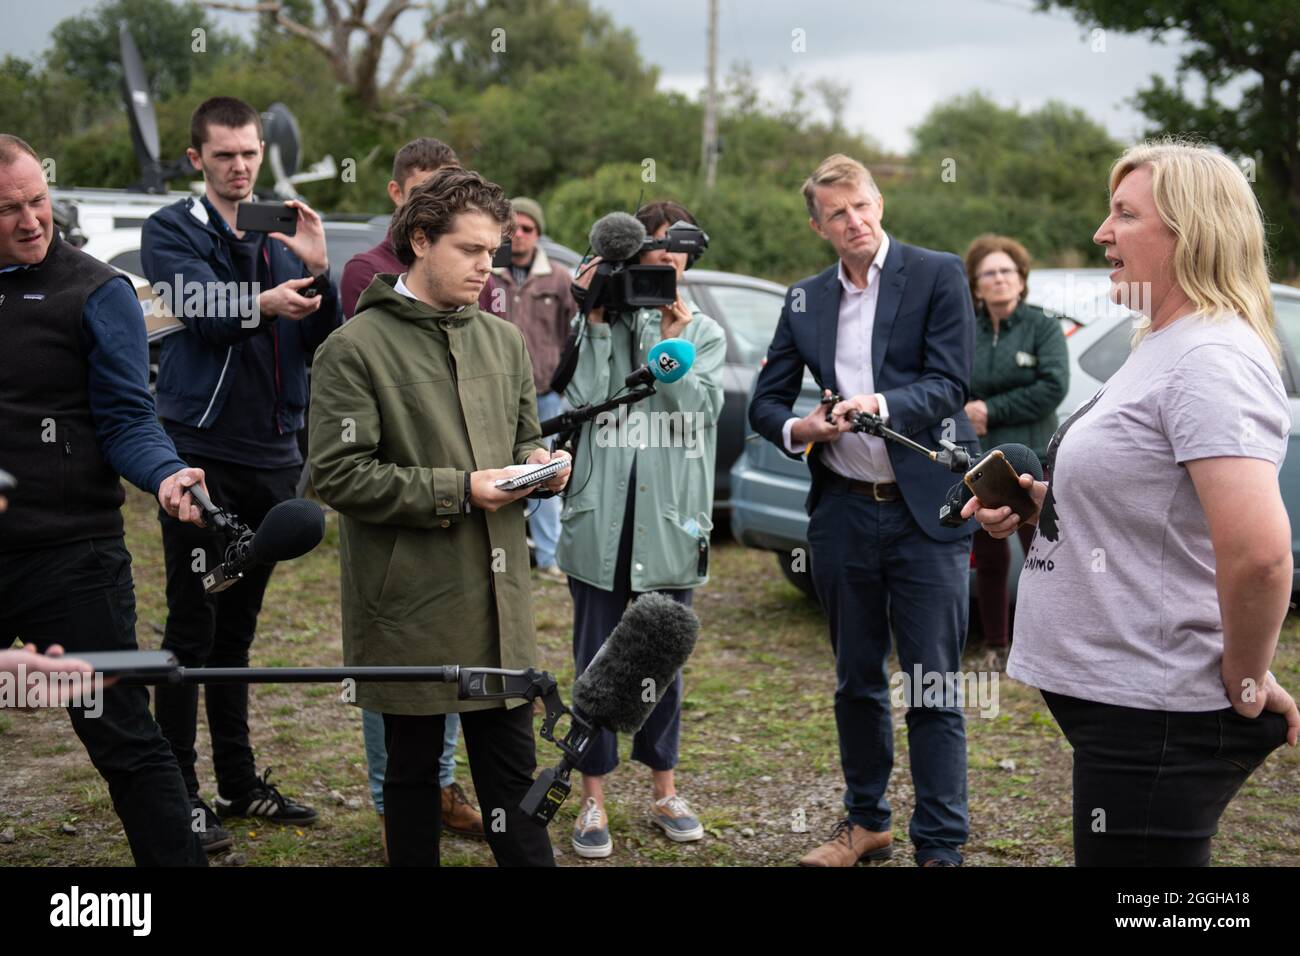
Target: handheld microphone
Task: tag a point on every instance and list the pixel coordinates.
(289, 530)
(1020, 457)
(640, 658)
(219, 517)
(669, 360)
(617, 236)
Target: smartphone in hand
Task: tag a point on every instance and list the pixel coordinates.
(995, 483)
(266, 217)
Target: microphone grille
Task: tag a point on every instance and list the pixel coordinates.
(617, 236)
(1022, 459)
(289, 530)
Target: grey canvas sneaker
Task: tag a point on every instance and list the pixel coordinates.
(673, 815)
(591, 833)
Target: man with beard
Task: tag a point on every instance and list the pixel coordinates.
(232, 393)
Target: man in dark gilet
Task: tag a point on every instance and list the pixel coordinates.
(75, 413)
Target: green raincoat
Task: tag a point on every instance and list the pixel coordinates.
(673, 437)
(405, 401)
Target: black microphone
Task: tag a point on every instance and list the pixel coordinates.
(1020, 457)
(637, 662)
(617, 236)
(289, 530)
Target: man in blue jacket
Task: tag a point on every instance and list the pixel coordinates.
(232, 391)
(891, 328)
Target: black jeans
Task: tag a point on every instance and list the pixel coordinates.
(1150, 786)
(81, 595)
(215, 630)
(502, 758)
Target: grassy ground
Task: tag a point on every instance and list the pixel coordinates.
(759, 755)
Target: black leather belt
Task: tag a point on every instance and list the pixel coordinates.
(875, 490)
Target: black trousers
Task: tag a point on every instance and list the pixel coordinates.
(502, 758)
(81, 595)
(215, 630)
(1150, 786)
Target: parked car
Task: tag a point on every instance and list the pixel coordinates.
(768, 489)
(745, 306)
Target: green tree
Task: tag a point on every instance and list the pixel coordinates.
(486, 42)
(978, 167)
(42, 105)
(86, 47)
(1254, 41)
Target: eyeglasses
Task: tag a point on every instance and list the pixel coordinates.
(995, 273)
(526, 230)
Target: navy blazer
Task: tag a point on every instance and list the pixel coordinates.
(922, 346)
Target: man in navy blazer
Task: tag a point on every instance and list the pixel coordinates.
(892, 329)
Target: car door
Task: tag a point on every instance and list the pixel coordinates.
(748, 315)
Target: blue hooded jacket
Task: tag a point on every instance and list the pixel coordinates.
(186, 253)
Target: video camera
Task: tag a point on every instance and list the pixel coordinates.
(620, 284)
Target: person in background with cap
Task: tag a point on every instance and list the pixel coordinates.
(537, 299)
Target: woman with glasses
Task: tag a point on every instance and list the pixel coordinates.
(1020, 374)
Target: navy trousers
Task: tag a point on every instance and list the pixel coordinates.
(875, 571)
(596, 612)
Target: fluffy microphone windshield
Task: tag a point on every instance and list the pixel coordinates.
(636, 664)
(289, 530)
(617, 236)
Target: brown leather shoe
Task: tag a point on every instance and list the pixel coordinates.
(850, 845)
(459, 815)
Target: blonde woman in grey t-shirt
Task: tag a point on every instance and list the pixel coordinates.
(1159, 577)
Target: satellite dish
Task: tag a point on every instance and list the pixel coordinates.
(284, 153)
(139, 109)
(143, 119)
(283, 140)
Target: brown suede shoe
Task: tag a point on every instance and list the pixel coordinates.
(459, 815)
(850, 845)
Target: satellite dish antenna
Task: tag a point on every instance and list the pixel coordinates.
(143, 119)
(283, 140)
(284, 152)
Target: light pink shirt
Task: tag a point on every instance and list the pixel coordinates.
(858, 456)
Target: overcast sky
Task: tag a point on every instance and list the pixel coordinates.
(898, 58)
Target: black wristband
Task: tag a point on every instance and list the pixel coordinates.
(467, 505)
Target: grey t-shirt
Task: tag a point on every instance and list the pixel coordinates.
(1117, 600)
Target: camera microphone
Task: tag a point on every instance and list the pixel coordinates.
(636, 664)
(668, 361)
(617, 236)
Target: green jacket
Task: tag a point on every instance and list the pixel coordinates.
(673, 437)
(405, 400)
(1022, 375)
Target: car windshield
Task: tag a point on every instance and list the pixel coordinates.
(1287, 311)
